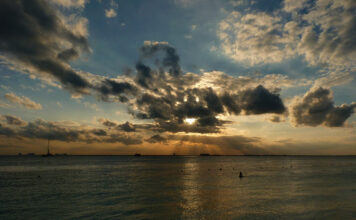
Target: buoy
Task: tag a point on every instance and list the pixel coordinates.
(241, 175)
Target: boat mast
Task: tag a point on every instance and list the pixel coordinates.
(48, 147)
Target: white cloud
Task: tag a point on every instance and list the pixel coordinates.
(110, 13)
(252, 38)
(70, 3)
(292, 5)
(324, 34)
(23, 101)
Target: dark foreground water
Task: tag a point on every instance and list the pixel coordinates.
(127, 187)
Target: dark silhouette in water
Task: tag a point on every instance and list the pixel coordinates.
(137, 155)
(241, 175)
(204, 154)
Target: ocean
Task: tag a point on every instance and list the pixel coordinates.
(177, 187)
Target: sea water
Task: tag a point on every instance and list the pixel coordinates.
(177, 187)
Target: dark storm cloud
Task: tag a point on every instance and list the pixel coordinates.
(44, 130)
(231, 104)
(34, 36)
(31, 33)
(5, 131)
(143, 75)
(99, 132)
(316, 107)
(259, 101)
(127, 126)
(153, 79)
(13, 120)
(111, 87)
(170, 116)
(204, 105)
(213, 101)
(108, 123)
(68, 54)
(170, 60)
(156, 139)
(40, 129)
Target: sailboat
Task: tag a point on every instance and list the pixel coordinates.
(48, 152)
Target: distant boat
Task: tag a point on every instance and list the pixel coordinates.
(204, 154)
(48, 152)
(137, 155)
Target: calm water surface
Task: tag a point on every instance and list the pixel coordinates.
(166, 187)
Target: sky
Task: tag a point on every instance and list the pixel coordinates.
(159, 77)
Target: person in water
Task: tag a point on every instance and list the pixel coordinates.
(241, 175)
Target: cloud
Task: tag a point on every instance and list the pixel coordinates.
(334, 41)
(35, 37)
(13, 120)
(107, 123)
(252, 38)
(156, 139)
(171, 59)
(221, 81)
(70, 3)
(6, 131)
(127, 126)
(42, 42)
(290, 5)
(339, 77)
(204, 104)
(23, 101)
(260, 101)
(169, 96)
(275, 118)
(323, 33)
(111, 87)
(316, 107)
(67, 132)
(110, 13)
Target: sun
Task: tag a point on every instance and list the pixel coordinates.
(190, 120)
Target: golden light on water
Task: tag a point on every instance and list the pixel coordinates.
(190, 120)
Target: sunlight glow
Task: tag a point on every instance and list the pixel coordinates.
(190, 120)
